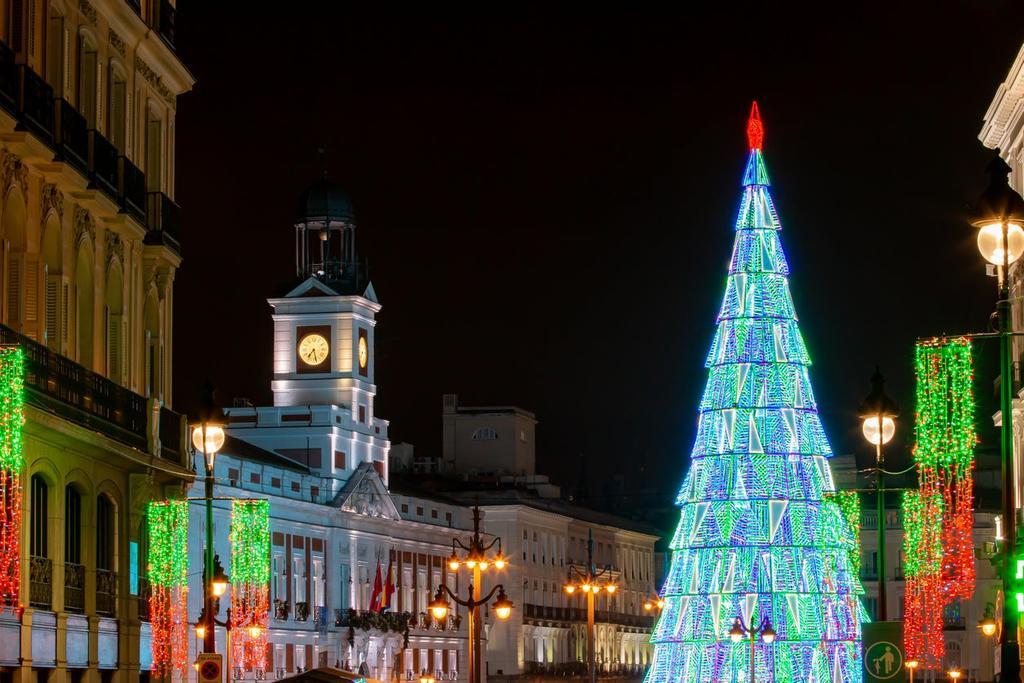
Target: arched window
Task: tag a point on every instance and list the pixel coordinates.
(87, 61)
(55, 315)
(485, 434)
(116, 325)
(84, 287)
(153, 345)
(40, 566)
(117, 108)
(55, 50)
(106, 556)
(74, 572)
(38, 541)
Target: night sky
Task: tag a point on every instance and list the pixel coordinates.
(546, 202)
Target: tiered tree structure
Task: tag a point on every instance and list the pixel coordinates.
(757, 538)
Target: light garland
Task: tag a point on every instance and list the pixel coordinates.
(757, 537)
(849, 504)
(168, 579)
(12, 461)
(939, 518)
(250, 581)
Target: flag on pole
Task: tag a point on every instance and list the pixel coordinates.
(389, 586)
(378, 587)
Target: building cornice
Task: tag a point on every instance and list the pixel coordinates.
(1006, 107)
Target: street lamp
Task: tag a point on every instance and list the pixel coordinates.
(654, 602)
(879, 413)
(591, 582)
(998, 215)
(425, 677)
(478, 561)
(912, 665)
(955, 674)
(988, 623)
(739, 631)
(208, 439)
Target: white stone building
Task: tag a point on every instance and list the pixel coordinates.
(320, 456)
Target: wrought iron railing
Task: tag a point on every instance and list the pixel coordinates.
(103, 163)
(71, 135)
(35, 103)
(131, 189)
(568, 614)
(144, 594)
(82, 396)
(162, 219)
(106, 592)
(74, 587)
(40, 582)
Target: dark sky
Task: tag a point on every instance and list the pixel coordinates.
(546, 201)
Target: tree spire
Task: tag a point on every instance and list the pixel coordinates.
(755, 129)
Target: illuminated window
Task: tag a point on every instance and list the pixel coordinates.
(485, 434)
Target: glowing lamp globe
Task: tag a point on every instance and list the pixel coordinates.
(453, 562)
(990, 242)
(768, 634)
(570, 588)
(661, 603)
(503, 606)
(439, 606)
(214, 438)
(500, 561)
(912, 664)
(736, 632)
(873, 435)
(200, 631)
(955, 674)
(648, 606)
(988, 626)
(611, 588)
(220, 587)
(255, 632)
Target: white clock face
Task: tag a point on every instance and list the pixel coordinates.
(313, 349)
(364, 353)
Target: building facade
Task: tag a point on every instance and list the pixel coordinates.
(88, 235)
(319, 455)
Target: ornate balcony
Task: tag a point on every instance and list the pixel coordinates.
(162, 218)
(131, 189)
(74, 587)
(103, 167)
(62, 386)
(71, 134)
(40, 583)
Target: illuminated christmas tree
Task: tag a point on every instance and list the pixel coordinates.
(761, 536)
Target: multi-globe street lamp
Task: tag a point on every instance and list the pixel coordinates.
(478, 560)
(765, 632)
(998, 215)
(654, 602)
(590, 581)
(879, 413)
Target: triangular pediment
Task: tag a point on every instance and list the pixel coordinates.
(370, 294)
(365, 494)
(312, 286)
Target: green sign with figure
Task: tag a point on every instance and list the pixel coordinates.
(883, 652)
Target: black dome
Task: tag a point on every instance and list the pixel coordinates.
(324, 200)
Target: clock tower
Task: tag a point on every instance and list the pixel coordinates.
(324, 326)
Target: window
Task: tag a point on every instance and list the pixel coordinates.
(38, 545)
(72, 525)
(522, 435)
(314, 493)
(55, 315)
(318, 582)
(154, 151)
(116, 325)
(55, 52)
(419, 512)
(299, 578)
(105, 533)
(280, 578)
(117, 108)
(362, 414)
(87, 61)
(405, 507)
(254, 477)
(154, 348)
(275, 482)
(485, 434)
(433, 514)
(296, 486)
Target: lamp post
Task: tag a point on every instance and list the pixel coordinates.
(912, 665)
(208, 438)
(998, 215)
(590, 582)
(878, 411)
(740, 630)
(478, 561)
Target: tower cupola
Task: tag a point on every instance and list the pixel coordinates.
(325, 241)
